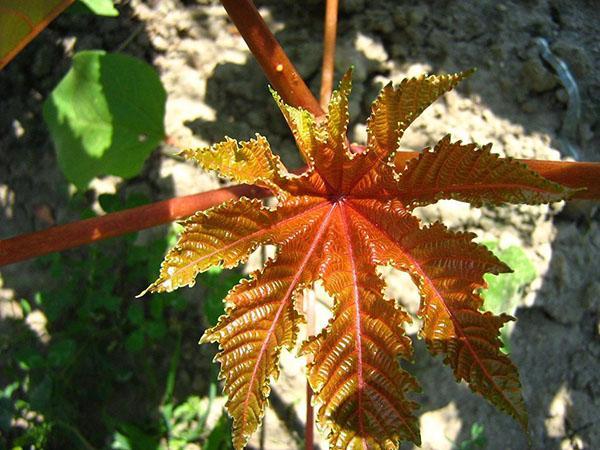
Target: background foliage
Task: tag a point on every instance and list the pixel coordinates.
(75, 376)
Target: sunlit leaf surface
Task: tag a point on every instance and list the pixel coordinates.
(102, 117)
(346, 215)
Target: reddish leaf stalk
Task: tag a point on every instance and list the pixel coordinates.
(328, 67)
(35, 30)
(74, 234)
(573, 174)
(309, 427)
(327, 71)
(277, 67)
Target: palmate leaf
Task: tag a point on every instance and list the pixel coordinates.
(474, 175)
(355, 373)
(339, 220)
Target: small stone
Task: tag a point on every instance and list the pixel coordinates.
(359, 133)
(585, 132)
(37, 322)
(44, 61)
(562, 96)
(574, 56)
(180, 178)
(417, 15)
(530, 106)
(353, 6)
(536, 77)
(592, 297)
(440, 428)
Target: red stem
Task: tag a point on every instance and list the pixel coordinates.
(572, 174)
(328, 67)
(327, 71)
(74, 234)
(309, 427)
(275, 64)
(62, 237)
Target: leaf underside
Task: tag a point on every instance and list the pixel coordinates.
(339, 220)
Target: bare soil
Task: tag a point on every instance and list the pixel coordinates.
(514, 100)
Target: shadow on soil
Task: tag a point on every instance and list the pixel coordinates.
(552, 345)
(452, 37)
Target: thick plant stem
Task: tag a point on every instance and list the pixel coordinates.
(264, 46)
(572, 174)
(328, 67)
(87, 231)
(275, 64)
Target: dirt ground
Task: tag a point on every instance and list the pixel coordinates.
(514, 100)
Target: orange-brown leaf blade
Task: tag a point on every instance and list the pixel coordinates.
(392, 112)
(465, 173)
(262, 320)
(21, 21)
(448, 268)
(250, 162)
(358, 383)
(449, 265)
(331, 159)
(226, 234)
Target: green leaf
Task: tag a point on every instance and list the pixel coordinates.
(156, 329)
(109, 203)
(25, 306)
(501, 293)
(135, 314)
(218, 284)
(135, 341)
(107, 302)
(105, 116)
(100, 7)
(41, 394)
(29, 358)
(500, 296)
(61, 352)
(132, 437)
(220, 436)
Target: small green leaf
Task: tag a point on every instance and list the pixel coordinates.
(132, 437)
(28, 358)
(135, 314)
(156, 329)
(135, 341)
(108, 302)
(25, 306)
(110, 203)
(61, 352)
(157, 305)
(500, 296)
(217, 283)
(101, 7)
(501, 293)
(105, 116)
(41, 394)
(220, 436)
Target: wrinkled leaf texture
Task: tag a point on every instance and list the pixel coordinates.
(345, 215)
